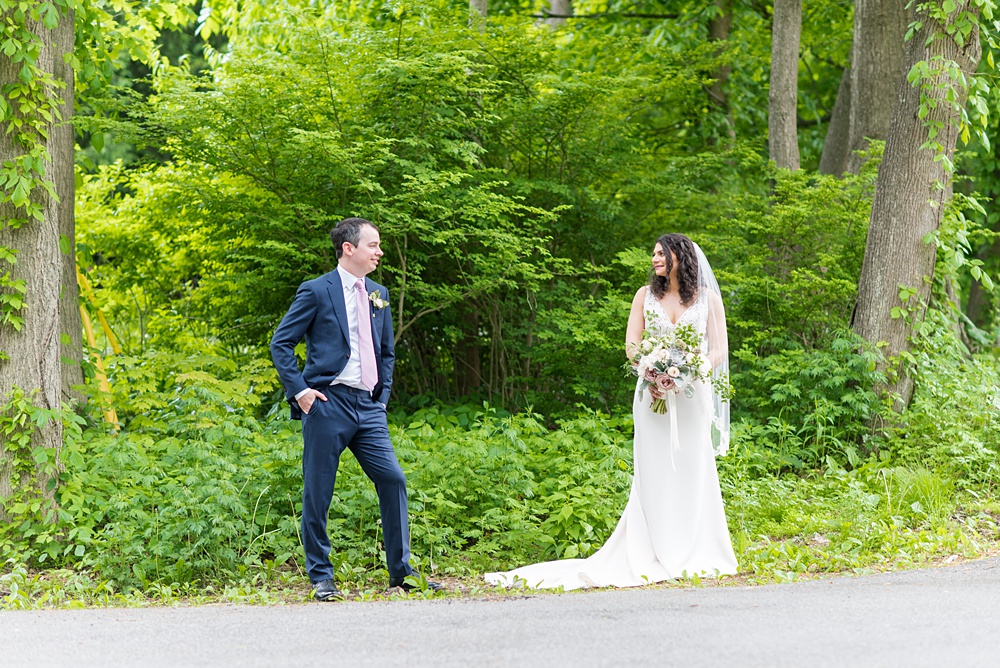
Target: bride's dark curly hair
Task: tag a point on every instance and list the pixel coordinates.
(687, 268)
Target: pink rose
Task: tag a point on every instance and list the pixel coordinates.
(673, 372)
(650, 375)
(664, 383)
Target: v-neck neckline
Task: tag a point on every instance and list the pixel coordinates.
(667, 317)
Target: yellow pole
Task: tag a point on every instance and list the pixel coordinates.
(88, 292)
(110, 414)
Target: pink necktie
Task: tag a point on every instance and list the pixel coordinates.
(369, 374)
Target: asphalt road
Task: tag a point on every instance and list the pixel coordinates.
(946, 616)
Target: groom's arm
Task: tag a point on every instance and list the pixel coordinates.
(388, 351)
(292, 329)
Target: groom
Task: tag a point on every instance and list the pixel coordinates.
(341, 397)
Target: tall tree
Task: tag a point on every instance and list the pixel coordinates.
(61, 148)
(782, 122)
(559, 10)
(478, 8)
(30, 226)
(837, 146)
(876, 69)
(718, 31)
(914, 181)
(977, 308)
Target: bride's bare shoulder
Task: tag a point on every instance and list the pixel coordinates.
(640, 295)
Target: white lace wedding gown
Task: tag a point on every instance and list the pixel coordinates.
(674, 523)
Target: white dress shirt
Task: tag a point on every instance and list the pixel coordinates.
(351, 375)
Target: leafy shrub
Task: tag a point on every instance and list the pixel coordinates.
(805, 406)
(953, 422)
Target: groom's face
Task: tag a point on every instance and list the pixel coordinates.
(363, 259)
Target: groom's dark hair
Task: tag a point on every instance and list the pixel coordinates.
(348, 231)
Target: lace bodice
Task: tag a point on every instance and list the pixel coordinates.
(659, 324)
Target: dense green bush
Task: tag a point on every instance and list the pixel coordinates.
(504, 170)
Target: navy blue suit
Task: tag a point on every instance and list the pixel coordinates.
(350, 418)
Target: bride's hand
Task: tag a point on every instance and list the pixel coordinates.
(655, 392)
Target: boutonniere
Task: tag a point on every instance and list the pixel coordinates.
(377, 300)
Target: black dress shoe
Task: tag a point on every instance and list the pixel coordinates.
(326, 590)
(407, 587)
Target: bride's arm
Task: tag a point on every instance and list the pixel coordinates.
(636, 323)
(718, 343)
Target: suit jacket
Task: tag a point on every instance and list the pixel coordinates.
(319, 314)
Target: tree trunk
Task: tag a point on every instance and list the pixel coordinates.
(782, 114)
(478, 8)
(33, 353)
(469, 366)
(61, 146)
(979, 299)
(561, 8)
(876, 68)
(837, 146)
(910, 194)
(954, 305)
(718, 31)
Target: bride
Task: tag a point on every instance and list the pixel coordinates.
(674, 524)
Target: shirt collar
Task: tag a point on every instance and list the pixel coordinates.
(348, 279)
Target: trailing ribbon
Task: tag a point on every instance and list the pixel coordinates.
(675, 443)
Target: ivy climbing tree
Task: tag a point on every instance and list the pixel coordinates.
(36, 177)
(915, 177)
(47, 46)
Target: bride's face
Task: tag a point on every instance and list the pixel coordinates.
(660, 260)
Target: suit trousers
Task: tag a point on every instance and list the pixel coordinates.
(351, 419)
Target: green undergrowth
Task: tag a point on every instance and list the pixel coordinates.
(196, 497)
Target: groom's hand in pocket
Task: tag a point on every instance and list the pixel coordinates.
(306, 401)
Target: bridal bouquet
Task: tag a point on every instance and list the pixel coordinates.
(671, 363)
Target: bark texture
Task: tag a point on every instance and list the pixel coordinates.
(783, 142)
(718, 31)
(876, 70)
(979, 299)
(560, 8)
(910, 194)
(61, 147)
(34, 352)
(478, 8)
(837, 146)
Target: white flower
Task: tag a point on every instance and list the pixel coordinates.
(376, 299)
(673, 372)
(704, 366)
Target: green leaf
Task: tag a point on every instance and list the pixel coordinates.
(20, 196)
